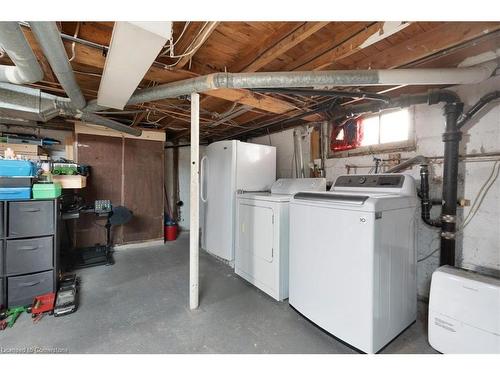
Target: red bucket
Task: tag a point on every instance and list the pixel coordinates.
(171, 232)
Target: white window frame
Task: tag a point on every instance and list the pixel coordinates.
(407, 145)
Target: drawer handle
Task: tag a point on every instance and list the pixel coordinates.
(30, 209)
(33, 283)
(28, 248)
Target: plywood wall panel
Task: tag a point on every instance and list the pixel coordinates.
(104, 156)
(143, 189)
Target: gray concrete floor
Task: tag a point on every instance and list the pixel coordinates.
(140, 305)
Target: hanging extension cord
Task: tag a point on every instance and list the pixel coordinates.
(482, 194)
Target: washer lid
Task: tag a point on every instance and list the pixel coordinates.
(366, 201)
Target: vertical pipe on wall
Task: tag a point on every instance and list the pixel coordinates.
(300, 173)
(295, 159)
(194, 202)
(175, 184)
(301, 157)
(451, 139)
(324, 139)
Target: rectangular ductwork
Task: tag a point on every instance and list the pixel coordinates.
(125, 66)
(18, 102)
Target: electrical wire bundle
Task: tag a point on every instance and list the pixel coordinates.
(495, 171)
(204, 32)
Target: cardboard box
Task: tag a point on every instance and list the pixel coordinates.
(23, 149)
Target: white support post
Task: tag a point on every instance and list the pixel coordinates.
(194, 202)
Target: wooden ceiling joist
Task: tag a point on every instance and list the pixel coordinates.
(324, 46)
(440, 38)
(348, 47)
(213, 47)
(196, 44)
(290, 41)
(47, 70)
(252, 99)
(242, 61)
(93, 57)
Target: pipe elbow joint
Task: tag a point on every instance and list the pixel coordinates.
(433, 222)
(438, 96)
(33, 76)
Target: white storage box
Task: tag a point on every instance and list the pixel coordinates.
(464, 312)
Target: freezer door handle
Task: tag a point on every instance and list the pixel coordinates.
(202, 179)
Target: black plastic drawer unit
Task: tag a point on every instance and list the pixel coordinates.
(2, 296)
(21, 290)
(29, 250)
(28, 255)
(30, 218)
(1, 221)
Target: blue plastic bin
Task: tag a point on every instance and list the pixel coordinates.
(15, 193)
(16, 168)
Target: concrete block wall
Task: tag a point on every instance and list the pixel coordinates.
(478, 245)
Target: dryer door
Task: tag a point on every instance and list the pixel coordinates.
(256, 232)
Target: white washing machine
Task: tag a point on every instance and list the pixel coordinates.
(261, 250)
(352, 258)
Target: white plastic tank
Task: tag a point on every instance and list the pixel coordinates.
(464, 312)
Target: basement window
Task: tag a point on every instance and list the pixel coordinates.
(385, 131)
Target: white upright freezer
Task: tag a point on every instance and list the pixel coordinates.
(230, 166)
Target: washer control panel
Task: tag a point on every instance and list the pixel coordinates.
(370, 181)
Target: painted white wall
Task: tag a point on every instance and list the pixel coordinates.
(283, 141)
(184, 182)
(479, 245)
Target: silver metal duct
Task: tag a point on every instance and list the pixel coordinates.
(26, 69)
(316, 79)
(103, 121)
(25, 104)
(51, 43)
(19, 102)
(50, 40)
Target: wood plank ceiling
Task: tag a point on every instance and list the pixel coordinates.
(263, 46)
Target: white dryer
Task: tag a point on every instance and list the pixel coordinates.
(261, 250)
(352, 258)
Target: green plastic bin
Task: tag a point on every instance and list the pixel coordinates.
(46, 191)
